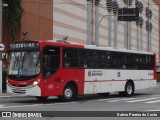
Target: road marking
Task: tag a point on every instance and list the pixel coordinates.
(153, 101)
(122, 99)
(2, 106)
(153, 110)
(143, 100)
(99, 100)
(34, 105)
(20, 106)
(14, 96)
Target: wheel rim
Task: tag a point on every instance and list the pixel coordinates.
(68, 93)
(129, 89)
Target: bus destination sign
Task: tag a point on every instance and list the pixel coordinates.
(22, 45)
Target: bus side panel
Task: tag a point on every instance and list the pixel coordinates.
(74, 75)
(146, 79)
(100, 81)
(54, 85)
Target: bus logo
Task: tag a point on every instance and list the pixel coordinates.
(89, 73)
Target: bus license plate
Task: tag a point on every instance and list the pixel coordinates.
(17, 90)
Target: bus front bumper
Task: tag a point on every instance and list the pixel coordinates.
(30, 91)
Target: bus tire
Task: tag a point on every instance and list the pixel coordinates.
(69, 93)
(129, 89)
(41, 98)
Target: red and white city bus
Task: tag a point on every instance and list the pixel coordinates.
(51, 68)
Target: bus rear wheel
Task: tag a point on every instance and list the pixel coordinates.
(129, 90)
(69, 93)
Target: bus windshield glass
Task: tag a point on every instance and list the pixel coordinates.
(24, 63)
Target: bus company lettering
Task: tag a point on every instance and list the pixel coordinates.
(95, 73)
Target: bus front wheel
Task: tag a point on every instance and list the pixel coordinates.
(69, 93)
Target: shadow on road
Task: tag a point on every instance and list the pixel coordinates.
(81, 99)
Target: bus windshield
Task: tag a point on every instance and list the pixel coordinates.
(24, 63)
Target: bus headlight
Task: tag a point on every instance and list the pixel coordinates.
(34, 83)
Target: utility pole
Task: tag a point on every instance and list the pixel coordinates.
(1, 45)
(148, 30)
(109, 8)
(89, 15)
(115, 11)
(97, 2)
(149, 27)
(92, 24)
(137, 22)
(1, 14)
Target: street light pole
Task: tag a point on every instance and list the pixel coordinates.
(101, 20)
(1, 18)
(1, 5)
(97, 2)
(89, 12)
(1, 26)
(148, 31)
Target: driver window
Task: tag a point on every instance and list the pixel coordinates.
(51, 60)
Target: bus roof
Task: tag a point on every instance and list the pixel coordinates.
(76, 45)
(117, 49)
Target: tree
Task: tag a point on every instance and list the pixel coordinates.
(13, 13)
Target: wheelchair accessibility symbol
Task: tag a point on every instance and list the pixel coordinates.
(20, 71)
(118, 74)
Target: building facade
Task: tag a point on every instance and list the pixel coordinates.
(85, 23)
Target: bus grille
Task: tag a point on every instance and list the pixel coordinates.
(19, 91)
(20, 85)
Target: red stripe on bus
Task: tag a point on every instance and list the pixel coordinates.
(116, 80)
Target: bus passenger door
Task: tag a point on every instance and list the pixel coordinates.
(51, 64)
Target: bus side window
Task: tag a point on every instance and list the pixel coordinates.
(85, 58)
(151, 62)
(109, 60)
(70, 58)
(142, 62)
(96, 55)
(115, 60)
(102, 60)
(146, 62)
(125, 61)
(134, 61)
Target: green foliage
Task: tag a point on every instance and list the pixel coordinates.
(14, 13)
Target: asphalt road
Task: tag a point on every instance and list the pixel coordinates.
(144, 100)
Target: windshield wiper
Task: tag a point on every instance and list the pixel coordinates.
(16, 62)
(26, 55)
